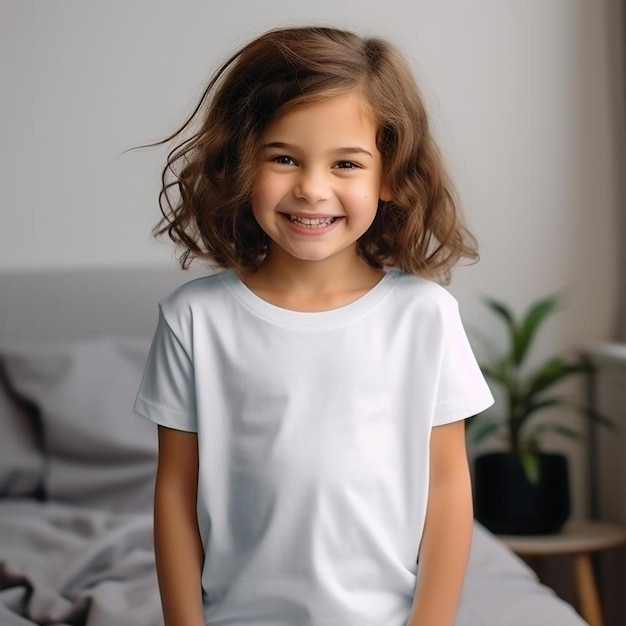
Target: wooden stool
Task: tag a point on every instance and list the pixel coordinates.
(579, 539)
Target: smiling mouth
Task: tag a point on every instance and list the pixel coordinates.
(312, 222)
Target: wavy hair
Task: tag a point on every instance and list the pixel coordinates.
(209, 176)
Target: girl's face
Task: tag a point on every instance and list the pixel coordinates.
(320, 179)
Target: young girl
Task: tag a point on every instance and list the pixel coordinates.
(310, 396)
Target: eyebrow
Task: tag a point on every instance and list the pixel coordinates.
(346, 150)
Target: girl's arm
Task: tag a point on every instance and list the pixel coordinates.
(447, 533)
(177, 545)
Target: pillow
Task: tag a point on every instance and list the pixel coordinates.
(99, 454)
(21, 458)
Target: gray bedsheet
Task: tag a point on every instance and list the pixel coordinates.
(66, 566)
(61, 565)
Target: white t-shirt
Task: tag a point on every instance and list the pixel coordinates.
(313, 434)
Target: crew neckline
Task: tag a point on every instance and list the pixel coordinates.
(310, 319)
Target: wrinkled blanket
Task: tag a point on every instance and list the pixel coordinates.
(69, 566)
(62, 565)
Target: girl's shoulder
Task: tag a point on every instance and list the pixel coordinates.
(413, 289)
(196, 292)
(429, 305)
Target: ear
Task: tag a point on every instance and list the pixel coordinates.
(384, 193)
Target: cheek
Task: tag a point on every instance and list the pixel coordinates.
(365, 199)
(370, 188)
(260, 196)
(268, 190)
(258, 201)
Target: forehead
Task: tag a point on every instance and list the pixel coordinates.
(335, 118)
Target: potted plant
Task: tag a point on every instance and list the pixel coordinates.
(523, 489)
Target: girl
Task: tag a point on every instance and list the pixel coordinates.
(310, 395)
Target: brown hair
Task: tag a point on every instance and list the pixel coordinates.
(209, 176)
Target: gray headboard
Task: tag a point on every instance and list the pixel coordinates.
(74, 304)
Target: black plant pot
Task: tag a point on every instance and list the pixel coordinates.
(506, 502)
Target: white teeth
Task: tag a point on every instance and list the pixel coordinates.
(315, 222)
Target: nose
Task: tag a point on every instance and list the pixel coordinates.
(311, 186)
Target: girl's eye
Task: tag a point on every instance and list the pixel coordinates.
(283, 159)
(346, 165)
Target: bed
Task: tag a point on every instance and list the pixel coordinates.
(77, 466)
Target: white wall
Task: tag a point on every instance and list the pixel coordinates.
(518, 92)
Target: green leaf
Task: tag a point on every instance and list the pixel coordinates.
(530, 463)
(537, 313)
(555, 428)
(484, 428)
(498, 372)
(485, 342)
(500, 309)
(593, 415)
(553, 371)
(533, 406)
(506, 315)
(524, 394)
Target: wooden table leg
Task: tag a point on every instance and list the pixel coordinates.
(587, 590)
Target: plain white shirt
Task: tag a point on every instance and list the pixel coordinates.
(313, 434)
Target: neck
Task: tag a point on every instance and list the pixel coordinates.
(312, 285)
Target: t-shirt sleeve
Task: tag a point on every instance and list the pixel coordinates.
(462, 390)
(166, 393)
